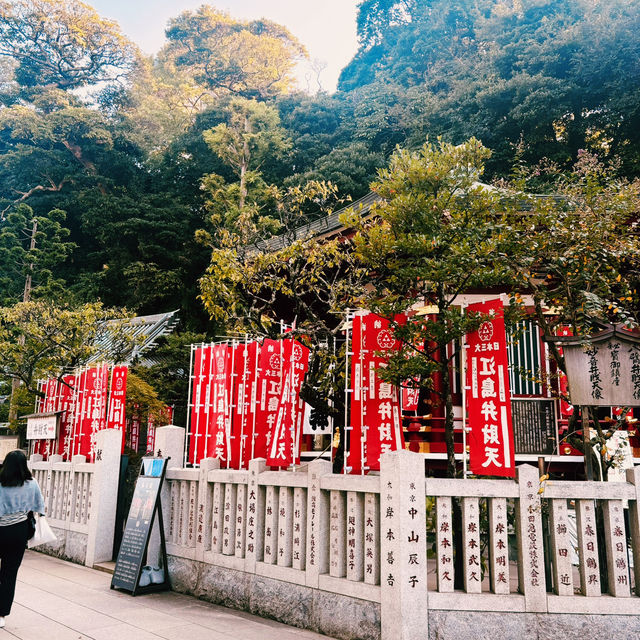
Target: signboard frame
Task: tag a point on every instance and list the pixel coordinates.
(53, 425)
(598, 367)
(139, 525)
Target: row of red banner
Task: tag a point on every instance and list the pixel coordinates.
(375, 410)
(245, 402)
(81, 399)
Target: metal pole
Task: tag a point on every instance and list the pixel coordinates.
(188, 417)
(463, 384)
(346, 392)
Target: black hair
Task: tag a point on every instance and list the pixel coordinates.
(14, 471)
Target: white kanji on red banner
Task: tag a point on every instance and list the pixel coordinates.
(488, 398)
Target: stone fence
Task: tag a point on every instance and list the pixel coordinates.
(373, 557)
(81, 499)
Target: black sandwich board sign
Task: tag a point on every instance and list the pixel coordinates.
(145, 507)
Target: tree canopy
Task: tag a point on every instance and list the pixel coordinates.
(62, 44)
(152, 181)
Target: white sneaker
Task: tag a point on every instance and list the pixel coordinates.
(1, 622)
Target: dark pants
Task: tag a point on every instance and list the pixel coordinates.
(13, 540)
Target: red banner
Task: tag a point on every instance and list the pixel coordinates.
(65, 395)
(354, 446)
(284, 445)
(133, 430)
(270, 364)
(117, 414)
(151, 436)
(220, 397)
(244, 405)
(198, 422)
(488, 396)
(375, 408)
(79, 418)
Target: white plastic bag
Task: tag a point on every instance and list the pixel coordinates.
(43, 533)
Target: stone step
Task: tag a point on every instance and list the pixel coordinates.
(106, 567)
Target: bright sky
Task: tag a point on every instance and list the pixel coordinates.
(326, 27)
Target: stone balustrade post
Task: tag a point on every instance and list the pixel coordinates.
(633, 476)
(170, 443)
(104, 499)
(403, 564)
(530, 545)
(203, 506)
(317, 524)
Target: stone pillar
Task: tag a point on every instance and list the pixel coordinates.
(561, 548)
(255, 516)
(529, 534)
(317, 524)
(615, 541)
(169, 444)
(633, 476)
(102, 518)
(204, 506)
(403, 529)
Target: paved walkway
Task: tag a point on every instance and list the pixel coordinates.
(57, 600)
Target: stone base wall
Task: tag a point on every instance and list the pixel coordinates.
(334, 615)
(70, 545)
(471, 625)
(348, 618)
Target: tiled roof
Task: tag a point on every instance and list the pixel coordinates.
(143, 331)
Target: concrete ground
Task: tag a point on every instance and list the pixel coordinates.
(57, 600)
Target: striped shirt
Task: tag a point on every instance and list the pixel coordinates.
(13, 518)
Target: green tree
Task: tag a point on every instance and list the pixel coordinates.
(578, 255)
(62, 44)
(250, 136)
(250, 59)
(39, 339)
(435, 234)
(556, 76)
(169, 375)
(31, 251)
(257, 278)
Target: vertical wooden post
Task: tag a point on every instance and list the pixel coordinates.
(586, 443)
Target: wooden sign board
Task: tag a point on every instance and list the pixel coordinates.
(603, 370)
(145, 507)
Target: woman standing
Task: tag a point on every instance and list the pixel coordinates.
(19, 494)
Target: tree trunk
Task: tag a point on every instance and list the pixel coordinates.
(26, 296)
(448, 410)
(244, 167)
